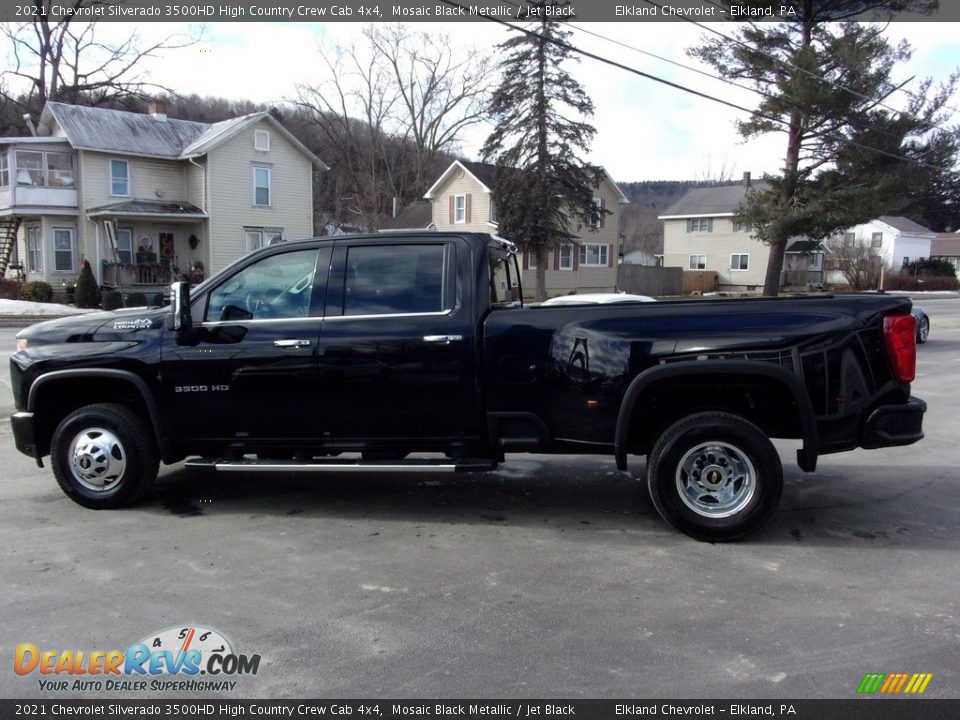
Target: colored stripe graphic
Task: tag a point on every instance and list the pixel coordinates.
(894, 683)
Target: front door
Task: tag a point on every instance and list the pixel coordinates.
(396, 354)
(251, 374)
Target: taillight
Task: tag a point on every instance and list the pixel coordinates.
(900, 337)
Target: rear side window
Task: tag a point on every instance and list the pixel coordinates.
(387, 280)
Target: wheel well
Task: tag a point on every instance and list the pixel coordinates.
(60, 397)
(766, 402)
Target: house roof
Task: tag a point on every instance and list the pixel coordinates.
(486, 174)
(414, 216)
(898, 222)
(147, 208)
(130, 133)
(710, 201)
(945, 245)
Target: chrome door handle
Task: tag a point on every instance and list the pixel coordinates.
(291, 343)
(442, 339)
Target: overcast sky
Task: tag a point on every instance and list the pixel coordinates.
(645, 131)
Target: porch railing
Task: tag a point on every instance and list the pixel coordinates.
(131, 274)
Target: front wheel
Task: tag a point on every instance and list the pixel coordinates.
(104, 456)
(714, 476)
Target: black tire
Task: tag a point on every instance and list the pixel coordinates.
(104, 456)
(746, 477)
(923, 330)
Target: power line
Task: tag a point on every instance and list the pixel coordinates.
(691, 91)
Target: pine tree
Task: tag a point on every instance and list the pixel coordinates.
(542, 184)
(826, 83)
(86, 295)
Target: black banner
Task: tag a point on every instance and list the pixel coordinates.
(853, 709)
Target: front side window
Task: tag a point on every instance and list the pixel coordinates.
(460, 209)
(698, 262)
(63, 249)
(34, 249)
(740, 261)
(388, 280)
(276, 287)
(120, 178)
(594, 255)
(261, 186)
(566, 257)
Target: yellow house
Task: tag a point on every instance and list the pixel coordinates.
(462, 199)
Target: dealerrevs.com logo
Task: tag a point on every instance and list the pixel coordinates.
(186, 658)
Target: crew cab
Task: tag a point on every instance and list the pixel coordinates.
(414, 352)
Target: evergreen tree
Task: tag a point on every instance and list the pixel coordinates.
(86, 294)
(826, 82)
(542, 184)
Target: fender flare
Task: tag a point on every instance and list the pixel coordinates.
(806, 456)
(122, 375)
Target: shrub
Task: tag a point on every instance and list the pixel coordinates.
(37, 291)
(931, 267)
(9, 289)
(86, 295)
(136, 299)
(112, 300)
(906, 281)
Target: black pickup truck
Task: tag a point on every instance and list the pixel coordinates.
(414, 352)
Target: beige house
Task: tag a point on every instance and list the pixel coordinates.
(699, 234)
(462, 199)
(146, 198)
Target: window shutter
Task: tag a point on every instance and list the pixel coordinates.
(556, 258)
(526, 259)
(603, 215)
(689, 225)
(451, 218)
(576, 257)
(709, 224)
(467, 203)
(610, 253)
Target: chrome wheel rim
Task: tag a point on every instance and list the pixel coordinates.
(97, 459)
(716, 479)
(924, 329)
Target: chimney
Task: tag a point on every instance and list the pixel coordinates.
(746, 179)
(157, 109)
(30, 125)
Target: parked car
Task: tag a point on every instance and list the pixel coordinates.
(923, 324)
(597, 299)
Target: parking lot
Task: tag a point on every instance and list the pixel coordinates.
(552, 577)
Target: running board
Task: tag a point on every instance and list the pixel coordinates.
(433, 466)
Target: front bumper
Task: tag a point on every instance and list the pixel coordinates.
(22, 424)
(891, 425)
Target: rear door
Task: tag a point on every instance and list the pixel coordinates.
(396, 354)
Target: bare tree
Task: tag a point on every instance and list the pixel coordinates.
(392, 108)
(64, 60)
(860, 266)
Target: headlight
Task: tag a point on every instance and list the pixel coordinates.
(21, 343)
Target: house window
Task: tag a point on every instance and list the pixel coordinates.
(125, 246)
(698, 262)
(459, 209)
(29, 168)
(531, 260)
(63, 249)
(566, 257)
(700, 225)
(256, 238)
(906, 261)
(596, 213)
(261, 186)
(4, 170)
(849, 237)
(658, 260)
(493, 212)
(59, 169)
(34, 249)
(876, 240)
(120, 178)
(594, 255)
(740, 261)
(741, 227)
(261, 140)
